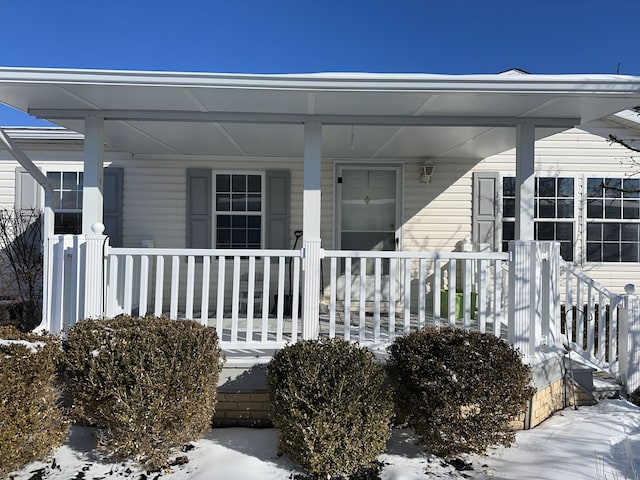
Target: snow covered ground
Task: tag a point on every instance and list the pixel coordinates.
(599, 442)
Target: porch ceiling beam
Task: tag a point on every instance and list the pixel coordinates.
(297, 118)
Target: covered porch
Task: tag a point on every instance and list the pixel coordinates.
(265, 297)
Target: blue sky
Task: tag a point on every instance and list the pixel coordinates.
(271, 36)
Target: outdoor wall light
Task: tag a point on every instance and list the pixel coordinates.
(426, 171)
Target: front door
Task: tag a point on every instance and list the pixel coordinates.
(368, 208)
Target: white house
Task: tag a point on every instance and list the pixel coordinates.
(269, 206)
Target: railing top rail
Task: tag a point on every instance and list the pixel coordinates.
(418, 255)
(585, 278)
(203, 252)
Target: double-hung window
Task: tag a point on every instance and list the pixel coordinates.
(66, 201)
(554, 212)
(239, 206)
(613, 219)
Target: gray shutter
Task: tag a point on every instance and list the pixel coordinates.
(485, 209)
(278, 187)
(112, 206)
(198, 208)
(27, 193)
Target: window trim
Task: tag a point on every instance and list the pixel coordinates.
(263, 212)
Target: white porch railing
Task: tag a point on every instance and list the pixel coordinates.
(591, 317)
(374, 296)
(253, 297)
(247, 295)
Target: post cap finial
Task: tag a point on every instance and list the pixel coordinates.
(630, 288)
(97, 228)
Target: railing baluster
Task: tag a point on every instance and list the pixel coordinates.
(590, 320)
(602, 325)
(128, 283)
(569, 317)
(376, 299)
(347, 297)
(579, 323)
(159, 291)
(333, 279)
(466, 294)
(407, 295)
(191, 266)
(144, 285)
(497, 299)
(481, 296)
(175, 286)
(363, 296)
(235, 298)
(437, 289)
(280, 316)
(266, 288)
(222, 275)
(452, 292)
(204, 296)
(112, 297)
(250, 297)
(392, 298)
(296, 299)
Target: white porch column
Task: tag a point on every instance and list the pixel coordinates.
(93, 172)
(525, 181)
(311, 230)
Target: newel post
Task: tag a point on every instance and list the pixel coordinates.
(311, 283)
(629, 349)
(522, 294)
(93, 272)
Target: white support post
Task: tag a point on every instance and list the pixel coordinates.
(525, 181)
(552, 301)
(93, 273)
(93, 172)
(522, 296)
(311, 230)
(629, 350)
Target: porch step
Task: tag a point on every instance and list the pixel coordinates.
(596, 383)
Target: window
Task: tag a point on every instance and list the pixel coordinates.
(554, 212)
(66, 202)
(613, 219)
(238, 210)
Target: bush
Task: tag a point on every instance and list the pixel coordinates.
(332, 405)
(458, 389)
(32, 423)
(149, 383)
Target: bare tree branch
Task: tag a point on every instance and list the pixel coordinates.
(624, 143)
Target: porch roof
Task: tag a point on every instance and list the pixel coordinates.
(363, 115)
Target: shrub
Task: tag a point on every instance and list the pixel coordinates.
(458, 389)
(149, 383)
(32, 423)
(332, 405)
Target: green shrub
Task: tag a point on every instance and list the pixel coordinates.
(458, 389)
(331, 404)
(149, 383)
(32, 423)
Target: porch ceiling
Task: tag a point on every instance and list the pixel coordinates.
(364, 115)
